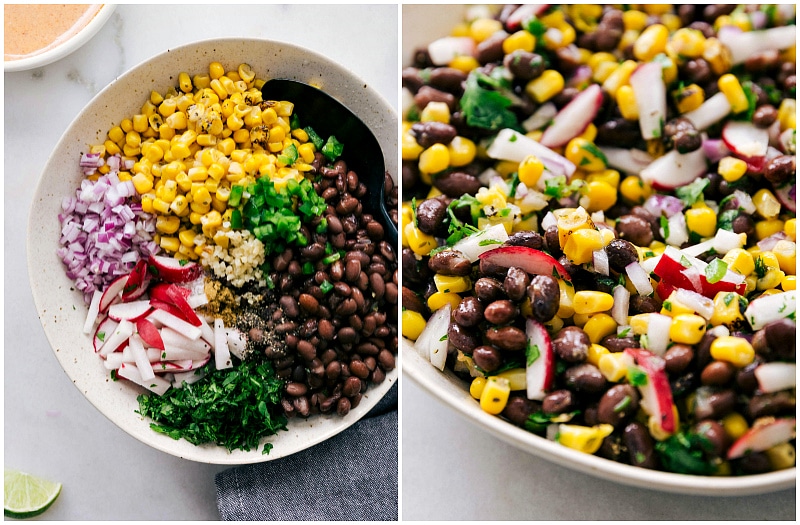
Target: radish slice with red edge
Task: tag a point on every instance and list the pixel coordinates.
(764, 434)
(530, 260)
(137, 283)
(776, 376)
(745, 140)
(157, 385)
(173, 270)
(524, 13)
(710, 112)
(119, 336)
(167, 307)
(656, 392)
(105, 328)
(131, 311)
(176, 323)
(573, 118)
(140, 357)
(94, 310)
(149, 333)
(540, 361)
(651, 99)
(768, 308)
(222, 355)
(674, 169)
(112, 293)
(477, 243)
(787, 195)
(514, 146)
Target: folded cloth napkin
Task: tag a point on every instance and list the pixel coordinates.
(351, 476)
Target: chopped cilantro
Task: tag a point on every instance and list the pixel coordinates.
(532, 354)
(487, 242)
(636, 376)
(761, 268)
(443, 338)
(624, 333)
(692, 192)
(728, 299)
(667, 305)
(622, 405)
(485, 107)
(684, 453)
(594, 150)
(725, 219)
(535, 27)
(557, 187)
(664, 225)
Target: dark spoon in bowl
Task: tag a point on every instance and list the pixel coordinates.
(361, 152)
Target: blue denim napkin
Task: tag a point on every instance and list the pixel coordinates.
(352, 476)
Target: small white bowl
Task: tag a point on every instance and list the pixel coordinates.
(61, 309)
(64, 48)
(421, 25)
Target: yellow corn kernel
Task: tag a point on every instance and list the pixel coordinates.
(566, 296)
(169, 244)
(580, 320)
(583, 439)
(610, 177)
(673, 307)
(464, 63)
(787, 114)
(785, 252)
(772, 279)
(553, 325)
(655, 428)
(581, 244)
(732, 169)
(686, 42)
(788, 283)
(585, 155)
(598, 58)
(477, 386)
(768, 227)
(482, 28)
(435, 112)
(546, 86)
(735, 425)
(462, 151)
(413, 324)
(494, 396)
(717, 55)
(598, 326)
(516, 378)
(142, 183)
(491, 197)
(571, 220)
(434, 159)
(634, 19)
(651, 42)
(187, 237)
(781, 456)
(639, 323)
(600, 196)
(740, 261)
(168, 223)
(419, 242)
(618, 77)
(160, 206)
(530, 170)
(687, 329)
(726, 309)
(702, 221)
(216, 70)
(790, 229)
(591, 302)
(179, 205)
(452, 283)
(735, 350)
(734, 92)
(439, 299)
(595, 352)
(521, 40)
(634, 190)
(603, 72)
(626, 100)
(689, 98)
(410, 150)
(766, 204)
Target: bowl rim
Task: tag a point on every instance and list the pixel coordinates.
(185, 450)
(453, 392)
(67, 47)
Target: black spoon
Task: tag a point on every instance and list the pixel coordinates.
(361, 152)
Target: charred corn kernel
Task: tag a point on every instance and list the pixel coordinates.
(434, 159)
(788, 283)
(435, 112)
(787, 114)
(687, 329)
(619, 76)
(410, 149)
(494, 396)
(768, 227)
(566, 296)
(732, 169)
(634, 190)
(477, 386)
(702, 221)
(785, 252)
(482, 28)
(790, 229)
(462, 151)
(781, 456)
(585, 155)
(142, 183)
(413, 324)
(766, 204)
(521, 40)
(546, 86)
(689, 98)
(726, 309)
(730, 86)
(452, 283)
(735, 425)
(591, 302)
(439, 299)
(600, 196)
(595, 352)
(580, 245)
(651, 42)
(626, 100)
(170, 244)
(419, 242)
(515, 377)
(734, 350)
(583, 439)
(598, 326)
(530, 170)
(464, 63)
(571, 220)
(167, 223)
(717, 55)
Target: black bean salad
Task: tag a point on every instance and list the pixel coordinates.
(599, 226)
(229, 268)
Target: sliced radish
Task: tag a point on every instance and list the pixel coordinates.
(443, 50)
(137, 283)
(167, 307)
(745, 140)
(541, 117)
(514, 146)
(94, 309)
(540, 361)
(176, 323)
(764, 434)
(674, 169)
(156, 385)
(222, 355)
(171, 337)
(530, 260)
(208, 333)
(237, 343)
(119, 336)
(574, 117)
(744, 44)
(177, 365)
(776, 376)
(105, 328)
(176, 353)
(702, 305)
(149, 334)
(767, 308)
(710, 112)
(132, 311)
(173, 270)
(140, 357)
(178, 297)
(678, 232)
(631, 161)
(656, 392)
(651, 99)
(112, 293)
(600, 261)
(524, 13)
(787, 195)
(474, 245)
(113, 361)
(187, 377)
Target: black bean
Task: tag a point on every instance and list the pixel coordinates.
(772, 404)
(526, 238)
(516, 283)
(450, 262)
(641, 452)
(585, 377)
(643, 304)
(617, 404)
(524, 65)
(508, 338)
(469, 312)
(717, 373)
(620, 254)
(776, 341)
(428, 94)
(635, 229)
(488, 289)
(359, 369)
(558, 402)
(780, 169)
(519, 408)
(714, 404)
(429, 133)
(447, 79)
(500, 312)
(698, 71)
(618, 132)
(754, 463)
(765, 115)
(744, 223)
(457, 183)
(716, 439)
(571, 344)
(412, 79)
(491, 48)
(544, 294)
(615, 344)
(678, 357)
(488, 358)
(462, 338)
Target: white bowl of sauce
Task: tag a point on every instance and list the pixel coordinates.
(38, 34)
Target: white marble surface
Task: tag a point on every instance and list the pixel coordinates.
(50, 429)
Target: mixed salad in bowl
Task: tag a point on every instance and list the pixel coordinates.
(598, 226)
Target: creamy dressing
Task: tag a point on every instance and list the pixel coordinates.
(32, 29)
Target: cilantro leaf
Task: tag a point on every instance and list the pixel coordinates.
(484, 107)
(692, 192)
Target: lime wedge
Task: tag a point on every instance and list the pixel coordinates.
(25, 496)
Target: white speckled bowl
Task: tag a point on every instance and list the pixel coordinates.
(64, 48)
(422, 24)
(61, 309)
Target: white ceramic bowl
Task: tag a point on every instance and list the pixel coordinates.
(422, 24)
(61, 309)
(64, 48)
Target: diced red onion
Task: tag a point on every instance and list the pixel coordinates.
(770, 242)
(715, 150)
(666, 205)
